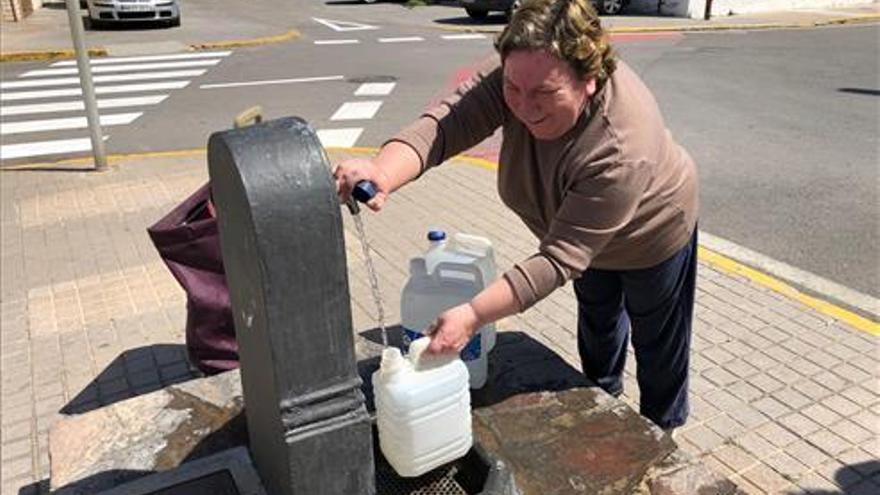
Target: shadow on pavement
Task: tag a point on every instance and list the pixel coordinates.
(136, 371)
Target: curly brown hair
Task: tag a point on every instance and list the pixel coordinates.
(568, 29)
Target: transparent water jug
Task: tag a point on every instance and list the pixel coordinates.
(423, 409)
(449, 274)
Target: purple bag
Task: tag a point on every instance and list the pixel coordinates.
(189, 244)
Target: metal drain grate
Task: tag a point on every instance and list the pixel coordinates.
(466, 476)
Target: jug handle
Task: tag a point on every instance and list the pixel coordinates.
(460, 268)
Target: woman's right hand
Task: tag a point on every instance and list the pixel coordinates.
(350, 172)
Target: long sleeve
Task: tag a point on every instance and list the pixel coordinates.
(471, 114)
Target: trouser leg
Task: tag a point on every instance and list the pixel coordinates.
(660, 302)
(602, 328)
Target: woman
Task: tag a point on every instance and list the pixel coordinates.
(588, 165)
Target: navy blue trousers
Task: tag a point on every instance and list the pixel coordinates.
(657, 304)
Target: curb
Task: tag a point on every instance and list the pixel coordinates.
(38, 55)
(868, 18)
(707, 253)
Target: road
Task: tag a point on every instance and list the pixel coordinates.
(783, 124)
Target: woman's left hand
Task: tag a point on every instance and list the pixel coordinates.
(453, 329)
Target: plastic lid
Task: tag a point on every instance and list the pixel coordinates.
(436, 235)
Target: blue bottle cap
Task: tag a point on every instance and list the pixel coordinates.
(436, 235)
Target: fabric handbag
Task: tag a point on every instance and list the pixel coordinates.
(188, 242)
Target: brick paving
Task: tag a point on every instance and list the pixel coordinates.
(785, 399)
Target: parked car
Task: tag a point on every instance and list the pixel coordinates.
(167, 11)
(479, 9)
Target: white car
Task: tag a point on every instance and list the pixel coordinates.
(167, 11)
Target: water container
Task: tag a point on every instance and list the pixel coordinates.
(449, 274)
(423, 409)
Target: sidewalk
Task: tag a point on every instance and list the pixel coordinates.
(785, 399)
(46, 33)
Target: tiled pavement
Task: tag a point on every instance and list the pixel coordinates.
(785, 399)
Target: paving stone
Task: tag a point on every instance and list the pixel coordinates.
(766, 383)
(718, 355)
(838, 473)
(861, 460)
(841, 405)
(821, 414)
(799, 424)
(703, 438)
(756, 445)
(771, 407)
(812, 389)
(792, 398)
(860, 395)
(725, 426)
(776, 434)
(813, 483)
(829, 442)
(719, 376)
(745, 391)
(767, 479)
(18, 448)
(734, 457)
(807, 453)
(851, 431)
(786, 465)
(748, 417)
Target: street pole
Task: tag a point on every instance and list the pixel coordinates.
(88, 88)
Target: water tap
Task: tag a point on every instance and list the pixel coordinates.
(363, 191)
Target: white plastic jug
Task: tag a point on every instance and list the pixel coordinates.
(423, 409)
(449, 274)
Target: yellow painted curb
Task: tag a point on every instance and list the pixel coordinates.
(111, 159)
(730, 266)
(696, 27)
(266, 40)
(37, 55)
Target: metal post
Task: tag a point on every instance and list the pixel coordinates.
(88, 88)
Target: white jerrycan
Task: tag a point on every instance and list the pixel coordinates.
(423, 409)
(447, 275)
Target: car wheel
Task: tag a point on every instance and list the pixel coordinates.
(611, 7)
(477, 13)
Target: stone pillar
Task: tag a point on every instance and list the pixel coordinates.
(283, 249)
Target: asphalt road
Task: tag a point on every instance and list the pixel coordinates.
(783, 124)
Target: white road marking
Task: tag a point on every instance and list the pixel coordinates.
(337, 42)
(72, 106)
(269, 82)
(63, 81)
(864, 302)
(342, 26)
(339, 138)
(357, 110)
(375, 89)
(467, 36)
(122, 68)
(148, 58)
(37, 148)
(101, 90)
(403, 39)
(66, 123)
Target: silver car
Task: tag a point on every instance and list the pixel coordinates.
(167, 11)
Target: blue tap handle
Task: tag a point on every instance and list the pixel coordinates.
(364, 191)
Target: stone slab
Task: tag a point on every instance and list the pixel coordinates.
(154, 432)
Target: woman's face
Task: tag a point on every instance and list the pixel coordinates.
(544, 92)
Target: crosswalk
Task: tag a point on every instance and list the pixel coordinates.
(42, 112)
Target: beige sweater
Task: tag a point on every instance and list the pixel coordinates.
(615, 192)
